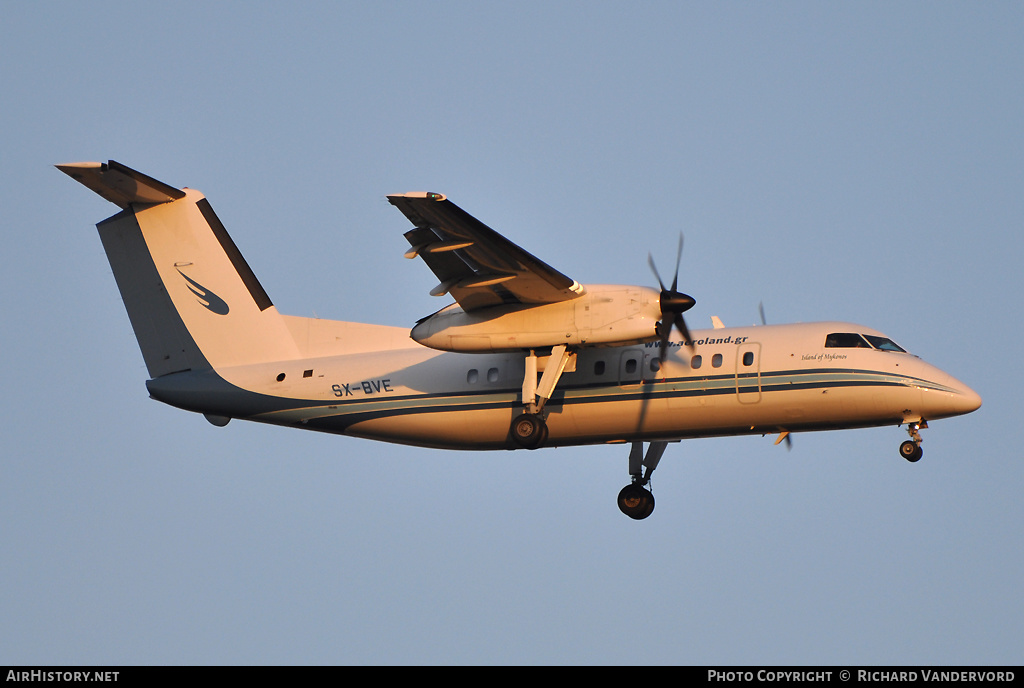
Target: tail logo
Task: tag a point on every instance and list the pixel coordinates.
(207, 298)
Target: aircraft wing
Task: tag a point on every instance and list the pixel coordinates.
(475, 264)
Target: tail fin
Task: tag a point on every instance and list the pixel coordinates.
(193, 301)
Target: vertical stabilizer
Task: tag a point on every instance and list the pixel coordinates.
(193, 301)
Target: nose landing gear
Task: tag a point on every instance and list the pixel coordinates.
(635, 500)
(911, 449)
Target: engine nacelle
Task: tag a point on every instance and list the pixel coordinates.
(605, 315)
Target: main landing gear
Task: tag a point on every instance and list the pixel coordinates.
(635, 500)
(911, 449)
(529, 429)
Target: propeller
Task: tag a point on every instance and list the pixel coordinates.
(673, 304)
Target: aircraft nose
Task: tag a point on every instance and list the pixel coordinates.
(959, 400)
(967, 399)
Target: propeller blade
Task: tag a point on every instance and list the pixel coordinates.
(679, 257)
(673, 304)
(760, 308)
(665, 327)
(675, 277)
(664, 330)
(681, 324)
(650, 261)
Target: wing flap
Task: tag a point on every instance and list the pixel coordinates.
(119, 184)
(475, 264)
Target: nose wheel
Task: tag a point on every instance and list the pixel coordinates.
(911, 449)
(636, 502)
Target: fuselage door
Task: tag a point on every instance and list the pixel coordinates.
(748, 372)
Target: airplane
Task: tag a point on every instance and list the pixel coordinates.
(525, 357)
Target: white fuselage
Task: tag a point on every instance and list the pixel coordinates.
(746, 380)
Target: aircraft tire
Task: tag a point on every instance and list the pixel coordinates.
(911, 451)
(636, 502)
(529, 430)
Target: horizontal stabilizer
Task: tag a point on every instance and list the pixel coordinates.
(120, 185)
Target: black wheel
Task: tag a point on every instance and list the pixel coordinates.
(911, 451)
(529, 430)
(636, 502)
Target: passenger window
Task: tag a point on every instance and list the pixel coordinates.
(492, 375)
(716, 361)
(631, 366)
(472, 376)
(655, 365)
(845, 340)
(748, 358)
(696, 361)
(599, 368)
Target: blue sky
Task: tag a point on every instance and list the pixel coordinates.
(858, 161)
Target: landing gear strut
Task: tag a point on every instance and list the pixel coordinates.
(635, 500)
(529, 429)
(911, 449)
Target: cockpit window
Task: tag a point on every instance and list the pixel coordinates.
(884, 344)
(845, 340)
(852, 340)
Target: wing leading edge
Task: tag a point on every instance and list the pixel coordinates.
(476, 265)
